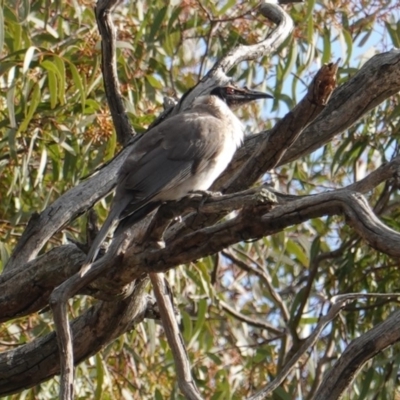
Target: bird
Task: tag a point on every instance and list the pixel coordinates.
(184, 153)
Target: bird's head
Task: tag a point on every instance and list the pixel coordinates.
(235, 97)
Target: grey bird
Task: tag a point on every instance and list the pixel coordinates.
(182, 154)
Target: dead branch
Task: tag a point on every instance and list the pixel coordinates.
(94, 329)
(337, 304)
(217, 75)
(51, 270)
(174, 337)
(288, 129)
(123, 128)
(360, 350)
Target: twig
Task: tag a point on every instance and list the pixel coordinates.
(250, 320)
(360, 350)
(218, 74)
(64, 341)
(337, 304)
(259, 271)
(174, 337)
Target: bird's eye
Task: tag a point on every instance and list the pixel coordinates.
(230, 90)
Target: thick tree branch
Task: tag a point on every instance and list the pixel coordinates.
(291, 210)
(287, 130)
(38, 361)
(376, 81)
(39, 277)
(213, 239)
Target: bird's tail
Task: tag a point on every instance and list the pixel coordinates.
(109, 225)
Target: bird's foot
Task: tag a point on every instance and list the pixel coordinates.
(206, 194)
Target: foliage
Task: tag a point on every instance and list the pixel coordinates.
(56, 129)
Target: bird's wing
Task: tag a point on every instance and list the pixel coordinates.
(170, 153)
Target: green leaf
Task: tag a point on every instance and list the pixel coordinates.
(28, 58)
(315, 247)
(154, 82)
(326, 53)
(52, 88)
(295, 249)
(10, 100)
(24, 8)
(34, 100)
(99, 377)
(78, 83)
(296, 302)
(158, 395)
(1, 30)
(394, 33)
(155, 28)
(310, 9)
(349, 44)
(187, 326)
(201, 317)
(59, 64)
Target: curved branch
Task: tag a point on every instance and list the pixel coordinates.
(39, 277)
(74, 202)
(360, 350)
(97, 327)
(123, 128)
(258, 323)
(213, 239)
(217, 75)
(338, 302)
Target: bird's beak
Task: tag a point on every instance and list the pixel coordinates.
(250, 95)
(236, 97)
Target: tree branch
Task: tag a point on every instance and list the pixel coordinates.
(213, 239)
(376, 81)
(38, 361)
(337, 304)
(217, 75)
(51, 270)
(174, 337)
(360, 350)
(123, 128)
(288, 129)
(258, 323)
